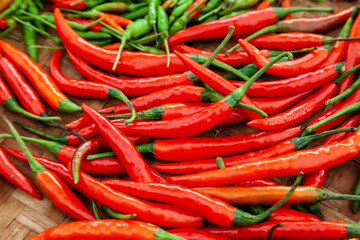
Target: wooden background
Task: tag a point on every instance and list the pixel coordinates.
(22, 216)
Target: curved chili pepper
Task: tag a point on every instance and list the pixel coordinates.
(24, 92)
(106, 229)
(234, 59)
(52, 186)
(131, 159)
(155, 213)
(9, 102)
(221, 213)
(317, 178)
(296, 84)
(121, 21)
(82, 21)
(130, 87)
(187, 149)
(294, 41)
(176, 110)
(281, 148)
(64, 153)
(301, 65)
(39, 79)
(131, 63)
(351, 57)
(219, 28)
(82, 88)
(75, 4)
(215, 81)
(195, 234)
(289, 164)
(297, 113)
(15, 177)
(253, 183)
(268, 195)
(291, 230)
(291, 215)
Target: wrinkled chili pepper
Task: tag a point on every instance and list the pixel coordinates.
(289, 164)
(297, 113)
(218, 28)
(131, 159)
(291, 230)
(221, 213)
(268, 195)
(10, 103)
(276, 150)
(106, 229)
(52, 186)
(82, 88)
(296, 84)
(39, 79)
(301, 65)
(15, 177)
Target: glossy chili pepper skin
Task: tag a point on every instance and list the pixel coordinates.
(107, 229)
(63, 198)
(317, 178)
(294, 85)
(215, 81)
(195, 234)
(297, 113)
(15, 177)
(233, 59)
(214, 210)
(130, 87)
(291, 230)
(24, 92)
(42, 82)
(301, 65)
(289, 164)
(134, 164)
(290, 215)
(96, 27)
(260, 182)
(193, 148)
(131, 63)
(175, 94)
(123, 22)
(159, 214)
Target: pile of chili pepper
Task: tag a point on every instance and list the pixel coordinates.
(289, 85)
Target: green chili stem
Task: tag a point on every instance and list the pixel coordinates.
(95, 208)
(271, 232)
(344, 94)
(112, 213)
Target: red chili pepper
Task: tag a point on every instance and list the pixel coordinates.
(111, 22)
(41, 81)
(15, 177)
(269, 195)
(96, 27)
(131, 159)
(264, 4)
(193, 148)
(215, 81)
(317, 178)
(219, 28)
(155, 213)
(195, 234)
(286, 4)
(290, 215)
(301, 65)
(351, 57)
(294, 85)
(289, 164)
(254, 183)
(122, 21)
(24, 92)
(3, 23)
(68, 4)
(52, 186)
(193, 5)
(297, 113)
(130, 86)
(284, 147)
(81, 88)
(291, 230)
(106, 229)
(293, 41)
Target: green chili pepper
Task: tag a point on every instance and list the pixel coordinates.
(163, 26)
(178, 10)
(30, 40)
(137, 13)
(34, 10)
(12, 8)
(135, 29)
(39, 4)
(180, 23)
(210, 18)
(236, 13)
(211, 13)
(239, 4)
(355, 204)
(118, 7)
(210, 6)
(152, 13)
(93, 35)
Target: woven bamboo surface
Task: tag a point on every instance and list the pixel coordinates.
(22, 216)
